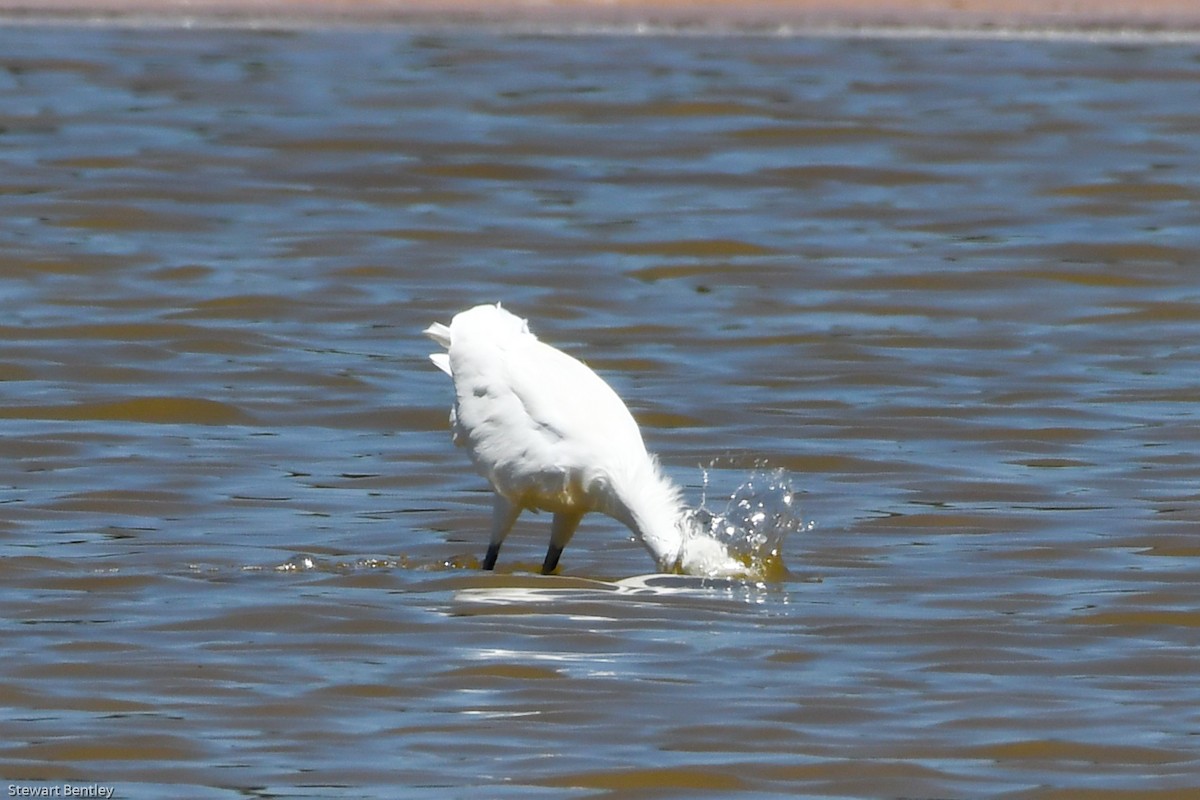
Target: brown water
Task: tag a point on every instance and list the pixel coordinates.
(953, 287)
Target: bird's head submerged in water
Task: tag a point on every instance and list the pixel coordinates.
(651, 505)
(550, 435)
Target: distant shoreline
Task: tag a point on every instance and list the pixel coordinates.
(1112, 19)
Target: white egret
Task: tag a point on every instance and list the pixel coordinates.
(550, 435)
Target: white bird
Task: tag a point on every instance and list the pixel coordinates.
(550, 435)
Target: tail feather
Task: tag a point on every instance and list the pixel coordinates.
(439, 333)
(442, 362)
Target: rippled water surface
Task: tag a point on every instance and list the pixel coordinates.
(951, 287)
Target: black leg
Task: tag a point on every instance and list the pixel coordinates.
(552, 556)
(489, 561)
(561, 530)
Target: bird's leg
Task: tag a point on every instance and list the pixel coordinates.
(561, 531)
(504, 515)
(489, 560)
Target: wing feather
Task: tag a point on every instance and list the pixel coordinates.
(533, 418)
(561, 394)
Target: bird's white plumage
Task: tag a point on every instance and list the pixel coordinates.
(549, 434)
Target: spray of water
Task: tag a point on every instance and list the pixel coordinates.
(758, 516)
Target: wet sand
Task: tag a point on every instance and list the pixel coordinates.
(990, 16)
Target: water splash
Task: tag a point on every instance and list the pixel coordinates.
(758, 517)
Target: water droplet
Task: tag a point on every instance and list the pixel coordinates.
(758, 516)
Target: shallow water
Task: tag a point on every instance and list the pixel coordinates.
(949, 286)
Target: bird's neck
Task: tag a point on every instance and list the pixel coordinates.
(649, 503)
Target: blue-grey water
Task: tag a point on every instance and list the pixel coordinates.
(951, 287)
